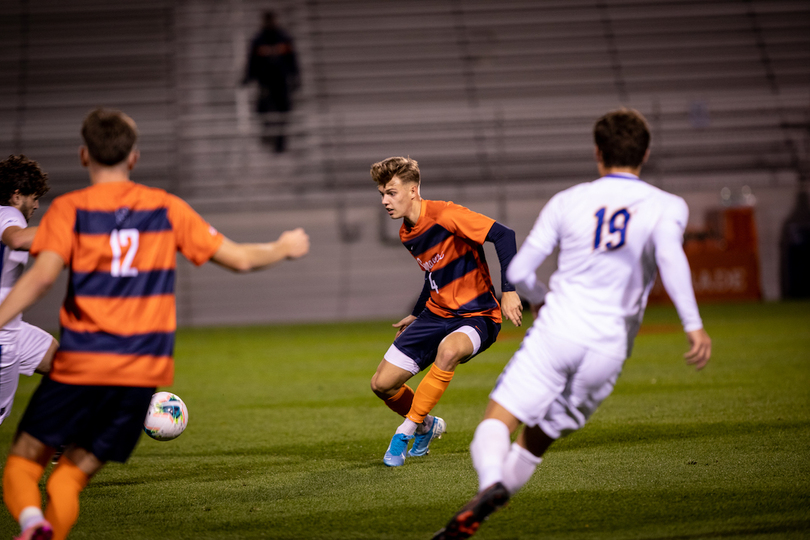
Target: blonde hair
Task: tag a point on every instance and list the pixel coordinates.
(405, 168)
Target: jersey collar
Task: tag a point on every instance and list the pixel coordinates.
(625, 176)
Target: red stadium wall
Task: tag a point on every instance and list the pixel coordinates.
(723, 256)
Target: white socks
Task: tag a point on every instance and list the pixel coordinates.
(489, 449)
(518, 468)
(31, 515)
(408, 427)
(496, 459)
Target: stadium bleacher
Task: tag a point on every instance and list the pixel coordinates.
(481, 91)
(495, 99)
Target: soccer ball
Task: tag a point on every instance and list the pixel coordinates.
(166, 418)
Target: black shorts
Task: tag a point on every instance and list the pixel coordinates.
(105, 420)
(420, 341)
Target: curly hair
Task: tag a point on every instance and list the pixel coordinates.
(18, 173)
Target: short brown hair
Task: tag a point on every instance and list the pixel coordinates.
(405, 168)
(18, 173)
(109, 136)
(623, 137)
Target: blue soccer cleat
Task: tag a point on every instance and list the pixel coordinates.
(395, 455)
(421, 443)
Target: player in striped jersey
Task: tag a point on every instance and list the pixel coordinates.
(457, 315)
(119, 241)
(23, 348)
(612, 234)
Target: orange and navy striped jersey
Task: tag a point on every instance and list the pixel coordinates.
(119, 241)
(447, 242)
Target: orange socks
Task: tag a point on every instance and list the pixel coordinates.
(21, 484)
(401, 402)
(64, 486)
(428, 393)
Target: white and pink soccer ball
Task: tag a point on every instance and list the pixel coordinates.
(166, 418)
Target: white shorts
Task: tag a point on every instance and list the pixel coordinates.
(21, 355)
(555, 383)
(400, 359)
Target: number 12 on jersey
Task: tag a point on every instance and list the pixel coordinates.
(121, 265)
(616, 224)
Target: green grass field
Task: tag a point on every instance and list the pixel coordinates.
(286, 441)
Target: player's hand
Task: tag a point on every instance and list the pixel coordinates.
(403, 324)
(512, 307)
(295, 242)
(700, 348)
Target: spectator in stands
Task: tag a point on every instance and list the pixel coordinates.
(273, 64)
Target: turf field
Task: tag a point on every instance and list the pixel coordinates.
(285, 441)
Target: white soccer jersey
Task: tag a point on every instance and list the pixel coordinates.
(13, 262)
(612, 234)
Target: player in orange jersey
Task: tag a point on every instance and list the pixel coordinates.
(457, 315)
(119, 241)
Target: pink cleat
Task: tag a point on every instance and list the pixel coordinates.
(40, 531)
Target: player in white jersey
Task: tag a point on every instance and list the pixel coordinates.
(612, 233)
(24, 348)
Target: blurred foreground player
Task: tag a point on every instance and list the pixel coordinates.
(457, 315)
(24, 348)
(612, 233)
(119, 240)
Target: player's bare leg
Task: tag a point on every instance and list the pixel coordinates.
(388, 383)
(454, 349)
(45, 364)
(503, 468)
(418, 423)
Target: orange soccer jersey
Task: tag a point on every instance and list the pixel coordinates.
(447, 243)
(119, 241)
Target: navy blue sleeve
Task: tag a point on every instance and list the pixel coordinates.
(504, 239)
(423, 298)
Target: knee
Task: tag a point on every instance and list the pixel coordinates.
(381, 389)
(47, 360)
(447, 359)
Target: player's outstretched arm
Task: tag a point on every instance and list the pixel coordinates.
(19, 238)
(512, 307)
(247, 257)
(31, 286)
(700, 349)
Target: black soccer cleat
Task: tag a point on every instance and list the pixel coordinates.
(467, 520)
